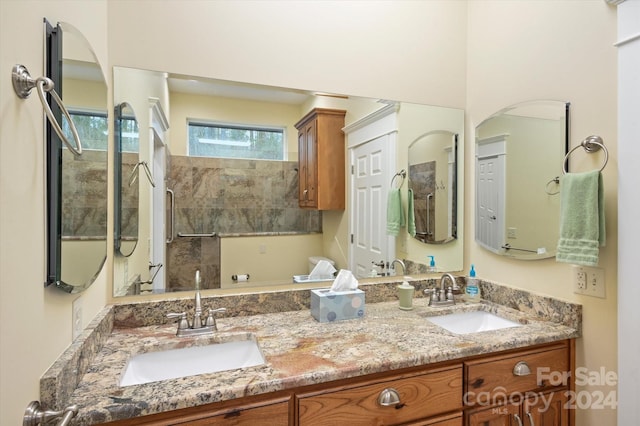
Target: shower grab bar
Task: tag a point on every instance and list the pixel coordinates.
(591, 144)
(172, 209)
(429, 198)
(22, 85)
(211, 234)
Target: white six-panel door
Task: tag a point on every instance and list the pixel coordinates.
(490, 193)
(370, 190)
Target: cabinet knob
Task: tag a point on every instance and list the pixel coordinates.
(521, 369)
(390, 397)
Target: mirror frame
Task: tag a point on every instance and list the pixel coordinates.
(53, 70)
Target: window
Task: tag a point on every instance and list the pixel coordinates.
(92, 129)
(235, 141)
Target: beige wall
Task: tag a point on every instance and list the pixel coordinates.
(352, 47)
(35, 323)
(522, 50)
(477, 55)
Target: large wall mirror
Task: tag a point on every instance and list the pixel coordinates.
(205, 209)
(519, 158)
(433, 170)
(76, 184)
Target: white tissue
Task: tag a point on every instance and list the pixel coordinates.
(345, 281)
(322, 270)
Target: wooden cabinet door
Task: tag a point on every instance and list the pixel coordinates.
(548, 409)
(506, 415)
(306, 165)
(321, 160)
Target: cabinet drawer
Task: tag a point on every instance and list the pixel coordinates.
(276, 414)
(421, 396)
(496, 375)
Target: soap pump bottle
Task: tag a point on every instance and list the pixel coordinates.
(472, 290)
(405, 294)
(432, 264)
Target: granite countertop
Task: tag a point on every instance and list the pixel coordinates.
(299, 351)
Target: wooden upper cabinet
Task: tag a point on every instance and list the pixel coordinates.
(321, 158)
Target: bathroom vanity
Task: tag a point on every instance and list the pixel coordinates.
(391, 367)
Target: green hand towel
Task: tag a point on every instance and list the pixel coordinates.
(582, 225)
(411, 218)
(395, 215)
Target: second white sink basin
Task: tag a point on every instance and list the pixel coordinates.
(472, 322)
(175, 363)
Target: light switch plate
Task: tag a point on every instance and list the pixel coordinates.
(589, 281)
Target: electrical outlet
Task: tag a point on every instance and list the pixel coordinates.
(512, 232)
(76, 318)
(262, 249)
(588, 281)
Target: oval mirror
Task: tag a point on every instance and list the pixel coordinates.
(126, 170)
(433, 187)
(519, 157)
(76, 187)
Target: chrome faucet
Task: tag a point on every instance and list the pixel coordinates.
(444, 295)
(197, 328)
(404, 268)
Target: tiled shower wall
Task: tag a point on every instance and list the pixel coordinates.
(84, 204)
(228, 196)
(423, 182)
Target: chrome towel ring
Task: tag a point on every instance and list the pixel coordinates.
(591, 144)
(22, 85)
(402, 174)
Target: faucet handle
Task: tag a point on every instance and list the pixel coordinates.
(211, 319)
(183, 324)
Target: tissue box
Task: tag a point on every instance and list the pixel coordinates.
(327, 305)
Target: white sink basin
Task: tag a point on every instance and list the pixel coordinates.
(472, 322)
(175, 363)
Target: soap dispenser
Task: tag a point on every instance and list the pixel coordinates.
(432, 264)
(472, 291)
(405, 294)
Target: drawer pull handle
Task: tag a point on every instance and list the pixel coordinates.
(517, 417)
(521, 369)
(390, 398)
(531, 422)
